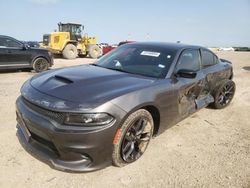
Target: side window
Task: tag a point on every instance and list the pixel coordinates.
(189, 60)
(12, 43)
(208, 58)
(216, 59)
(2, 42)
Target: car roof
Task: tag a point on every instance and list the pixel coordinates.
(166, 45)
(5, 36)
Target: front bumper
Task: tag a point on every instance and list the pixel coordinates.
(65, 149)
(51, 60)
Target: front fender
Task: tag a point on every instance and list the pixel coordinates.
(160, 96)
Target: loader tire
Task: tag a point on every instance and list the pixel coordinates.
(70, 51)
(95, 52)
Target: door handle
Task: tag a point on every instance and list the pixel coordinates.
(9, 51)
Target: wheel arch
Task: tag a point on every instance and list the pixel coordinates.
(40, 56)
(155, 115)
(70, 42)
(218, 84)
(153, 110)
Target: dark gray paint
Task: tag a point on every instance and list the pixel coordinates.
(88, 89)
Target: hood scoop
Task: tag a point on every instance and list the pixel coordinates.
(88, 85)
(63, 79)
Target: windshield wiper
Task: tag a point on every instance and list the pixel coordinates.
(116, 69)
(94, 64)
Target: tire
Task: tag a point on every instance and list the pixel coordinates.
(40, 64)
(94, 51)
(140, 122)
(70, 51)
(224, 94)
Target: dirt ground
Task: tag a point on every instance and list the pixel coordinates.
(209, 149)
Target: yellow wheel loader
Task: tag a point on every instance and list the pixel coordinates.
(69, 42)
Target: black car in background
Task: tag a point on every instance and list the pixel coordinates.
(86, 117)
(16, 55)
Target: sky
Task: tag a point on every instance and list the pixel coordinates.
(209, 22)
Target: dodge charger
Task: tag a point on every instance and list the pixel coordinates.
(87, 117)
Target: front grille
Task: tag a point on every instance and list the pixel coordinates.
(56, 116)
(46, 39)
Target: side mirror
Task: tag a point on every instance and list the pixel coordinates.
(25, 46)
(186, 73)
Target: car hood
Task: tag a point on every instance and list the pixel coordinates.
(88, 84)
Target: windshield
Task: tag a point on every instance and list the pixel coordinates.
(139, 59)
(74, 29)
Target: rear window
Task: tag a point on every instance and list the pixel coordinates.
(208, 58)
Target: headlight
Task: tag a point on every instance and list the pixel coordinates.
(88, 119)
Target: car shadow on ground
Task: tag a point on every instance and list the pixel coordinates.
(28, 70)
(58, 56)
(246, 68)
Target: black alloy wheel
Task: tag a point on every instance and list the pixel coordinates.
(40, 64)
(224, 94)
(134, 137)
(136, 140)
